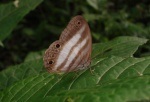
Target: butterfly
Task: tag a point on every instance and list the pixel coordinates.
(72, 51)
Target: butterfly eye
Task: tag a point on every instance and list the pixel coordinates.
(57, 45)
(50, 62)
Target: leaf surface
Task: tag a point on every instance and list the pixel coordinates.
(10, 15)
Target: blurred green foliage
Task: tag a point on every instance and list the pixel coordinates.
(107, 19)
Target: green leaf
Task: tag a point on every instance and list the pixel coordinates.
(1, 44)
(106, 72)
(121, 46)
(34, 56)
(98, 4)
(124, 46)
(93, 3)
(124, 90)
(10, 15)
(115, 77)
(16, 73)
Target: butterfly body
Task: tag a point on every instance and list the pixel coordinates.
(73, 49)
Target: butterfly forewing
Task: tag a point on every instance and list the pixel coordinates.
(73, 49)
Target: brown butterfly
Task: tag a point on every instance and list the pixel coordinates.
(73, 49)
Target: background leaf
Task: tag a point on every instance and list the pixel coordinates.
(11, 15)
(121, 46)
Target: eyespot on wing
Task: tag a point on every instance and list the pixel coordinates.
(51, 54)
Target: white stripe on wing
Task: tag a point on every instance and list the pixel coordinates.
(67, 48)
(74, 53)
